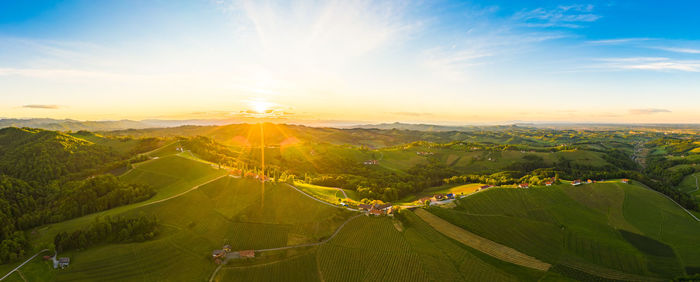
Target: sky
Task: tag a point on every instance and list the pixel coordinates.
(445, 62)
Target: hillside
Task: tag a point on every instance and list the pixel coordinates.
(37, 155)
(198, 211)
(605, 228)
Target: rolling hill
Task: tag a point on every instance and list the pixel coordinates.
(598, 228)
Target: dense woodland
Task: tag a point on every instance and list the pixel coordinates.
(46, 177)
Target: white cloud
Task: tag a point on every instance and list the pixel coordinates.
(680, 50)
(648, 111)
(650, 63)
(616, 41)
(572, 16)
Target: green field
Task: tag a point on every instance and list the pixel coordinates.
(458, 190)
(580, 226)
(327, 194)
(373, 249)
(192, 224)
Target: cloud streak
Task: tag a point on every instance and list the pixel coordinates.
(571, 16)
(648, 111)
(37, 106)
(651, 64)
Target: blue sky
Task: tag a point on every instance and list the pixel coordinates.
(451, 62)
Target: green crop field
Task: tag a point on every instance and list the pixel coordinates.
(584, 225)
(373, 249)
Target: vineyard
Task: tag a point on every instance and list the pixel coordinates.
(300, 268)
(479, 243)
(581, 227)
(370, 249)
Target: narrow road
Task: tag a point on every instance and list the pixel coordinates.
(317, 200)
(182, 193)
(290, 247)
(667, 197)
(25, 262)
(342, 191)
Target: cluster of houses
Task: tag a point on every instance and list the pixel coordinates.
(422, 153)
(436, 197)
(377, 209)
(238, 173)
(371, 162)
(220, 255)
(61, 262)
(258, 176)
(484, 187)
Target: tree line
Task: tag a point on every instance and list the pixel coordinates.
(108, 230)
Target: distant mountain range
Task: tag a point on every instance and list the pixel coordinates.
(107, 125)
(111, 125)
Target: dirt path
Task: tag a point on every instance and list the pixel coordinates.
(481, 244)
(25, 262)
(291, 247)
(346, 195)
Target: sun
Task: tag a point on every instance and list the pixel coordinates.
(260, 106)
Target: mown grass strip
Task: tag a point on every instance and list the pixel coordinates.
(481, 244)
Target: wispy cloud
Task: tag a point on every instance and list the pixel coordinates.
(680, 50)
(36, 106)
(648, 111)
(616, 41)
(650, 63)
(571, 16)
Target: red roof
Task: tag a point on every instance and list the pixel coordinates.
(247, 254)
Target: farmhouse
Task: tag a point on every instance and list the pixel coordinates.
(247, 254)
(63, 262)
(524, 185)
(439, 197)
(424, 200)
(375, 212)
(235, 173)
(218, 254)
(364, 207)
(576, 182)
(625, 181)
(548, 183)
(589, 181)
